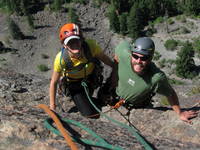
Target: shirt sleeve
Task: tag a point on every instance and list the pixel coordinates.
(163, 87)
(94, 46)
(57, 65)
(122, 51)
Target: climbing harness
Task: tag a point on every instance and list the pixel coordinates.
(97, 72)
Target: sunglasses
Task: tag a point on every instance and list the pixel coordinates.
(144, 58)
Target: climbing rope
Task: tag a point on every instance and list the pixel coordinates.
(99, 142)
(132, 129)
(59, 126)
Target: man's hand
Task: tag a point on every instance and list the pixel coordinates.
(187, 115)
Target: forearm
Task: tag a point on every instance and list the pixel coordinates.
(114, 75)
(53, 88)
(173, 100)
(105, 59)
(52, 93)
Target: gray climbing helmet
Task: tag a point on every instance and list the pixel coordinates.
(144, 46)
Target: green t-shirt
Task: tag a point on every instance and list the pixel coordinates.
(133, 87)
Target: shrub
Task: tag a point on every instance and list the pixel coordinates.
(170, 21)
(184, 30)
(181, 18)
(150, 31)
(162, 63)
(171, 44)
(175, 82)
(43, 68)
(159, 20)
(156, 56)
(194, 90)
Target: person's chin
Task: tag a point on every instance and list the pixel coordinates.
(138, 70)
(75, 51)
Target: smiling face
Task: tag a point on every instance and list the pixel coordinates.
(139, 62)
(74, 47)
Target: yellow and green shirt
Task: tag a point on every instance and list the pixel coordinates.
(74, 74)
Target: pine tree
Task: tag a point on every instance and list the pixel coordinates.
(73, 17)
(15, 31)
(114, 20)
(57, 5)
(192, 7)
(185, 66)
(123, 23)
(116, 5)
(134, 22)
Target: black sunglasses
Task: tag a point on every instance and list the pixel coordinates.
(144, 58)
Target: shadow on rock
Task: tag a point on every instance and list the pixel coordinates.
(5, 50)
(88, 29)
(30, 37)
(40, 27)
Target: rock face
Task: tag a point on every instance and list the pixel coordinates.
(21, 123)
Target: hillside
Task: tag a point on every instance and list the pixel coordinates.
(23, 86)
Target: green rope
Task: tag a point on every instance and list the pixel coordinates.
(100, 142)
(133, 130)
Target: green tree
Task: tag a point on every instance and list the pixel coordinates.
(73, 17)
(123, 23)
(14, 30)
(116, 5)
(114, 20)
(185, 66)
(57, 5)
(134, 22)
(191, 7)
(24, 7)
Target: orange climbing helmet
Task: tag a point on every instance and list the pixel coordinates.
(69, 30)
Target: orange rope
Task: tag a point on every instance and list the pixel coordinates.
(59, 126)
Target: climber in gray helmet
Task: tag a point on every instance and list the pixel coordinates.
(138, 79)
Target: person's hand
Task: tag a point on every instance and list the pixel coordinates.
(53, 107)
(187, 115)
